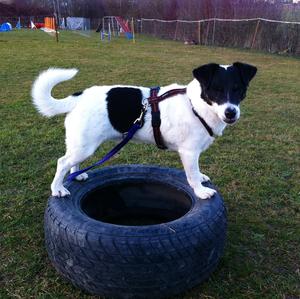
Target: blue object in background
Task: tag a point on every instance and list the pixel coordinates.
(129, 35)
(18, 26)
(5, 27)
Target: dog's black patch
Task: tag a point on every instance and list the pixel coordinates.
(78, 93)
(220, 85)
(124, 105)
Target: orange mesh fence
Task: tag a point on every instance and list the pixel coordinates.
(50, 23)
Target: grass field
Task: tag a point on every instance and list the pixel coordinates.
(255, 164)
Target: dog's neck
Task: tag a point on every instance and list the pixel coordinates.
(203, 109)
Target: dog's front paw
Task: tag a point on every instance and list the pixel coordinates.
(61, 192)
(204, 192)
(204, 178)
(82, 177)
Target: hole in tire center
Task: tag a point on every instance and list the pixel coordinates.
(136, 203)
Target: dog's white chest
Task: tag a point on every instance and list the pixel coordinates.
(207, 143)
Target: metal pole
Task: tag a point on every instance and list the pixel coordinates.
(58, 8)
(55, 20)
(132, 29)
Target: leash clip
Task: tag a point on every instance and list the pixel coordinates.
(139, 120)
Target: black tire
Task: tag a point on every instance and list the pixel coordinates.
(89, 244)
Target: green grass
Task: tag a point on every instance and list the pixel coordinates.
(255, 164)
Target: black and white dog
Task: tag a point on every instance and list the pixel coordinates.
(101, 113)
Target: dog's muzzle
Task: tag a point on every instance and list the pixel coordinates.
(231, 115)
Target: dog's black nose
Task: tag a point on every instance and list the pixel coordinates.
(230, 113)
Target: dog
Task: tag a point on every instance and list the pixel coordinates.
(102, 113)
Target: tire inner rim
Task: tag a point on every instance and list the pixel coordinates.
(135, 203)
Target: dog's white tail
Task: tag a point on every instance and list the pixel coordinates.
(41, 92)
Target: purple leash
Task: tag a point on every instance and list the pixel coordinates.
(118, 147)
(136, 126)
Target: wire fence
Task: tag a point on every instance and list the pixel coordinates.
(258, 33)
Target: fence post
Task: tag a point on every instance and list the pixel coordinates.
(132, 30)
(207, 33)
(176, 29)
(199, 33)
(255, 33)
(55, 21)
(214, 29)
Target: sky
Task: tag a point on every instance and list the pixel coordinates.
(6, 1)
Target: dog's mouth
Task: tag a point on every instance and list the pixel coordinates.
(229, 121)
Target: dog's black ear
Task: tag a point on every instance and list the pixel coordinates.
(247, 71)
(205, 73)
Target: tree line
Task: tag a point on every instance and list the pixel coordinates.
(166, 9)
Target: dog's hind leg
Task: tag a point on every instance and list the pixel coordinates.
(57, 187)
(64, 164)
(81, 177)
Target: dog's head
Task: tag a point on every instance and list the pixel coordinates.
(224, 87)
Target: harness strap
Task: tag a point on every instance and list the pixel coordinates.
(155, 116)
(155, 113)
(204, 123)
